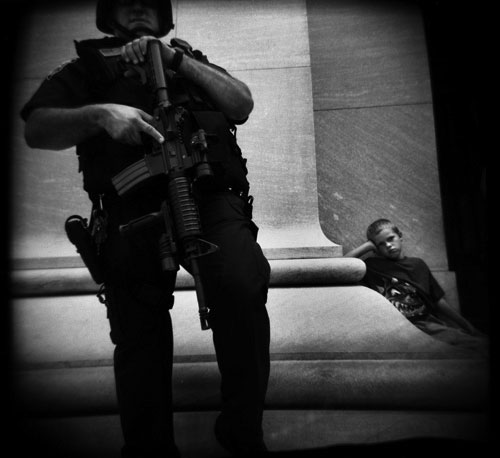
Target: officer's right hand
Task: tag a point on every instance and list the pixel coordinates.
(126, 124)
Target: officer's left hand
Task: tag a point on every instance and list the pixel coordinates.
(134, 51)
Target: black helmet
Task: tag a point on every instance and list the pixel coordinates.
(104, 8)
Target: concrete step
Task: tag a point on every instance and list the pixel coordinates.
(336, 346)
(288, 433)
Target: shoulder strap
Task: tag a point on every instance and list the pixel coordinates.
(102, 56)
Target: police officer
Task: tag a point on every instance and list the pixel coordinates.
(108, 116)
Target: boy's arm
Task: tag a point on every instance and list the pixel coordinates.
(361, 250)
(449, 312)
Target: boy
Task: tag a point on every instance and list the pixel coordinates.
(409, 285)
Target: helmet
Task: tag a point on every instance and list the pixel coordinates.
(104, 9)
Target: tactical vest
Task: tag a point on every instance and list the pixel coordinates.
(100, 157)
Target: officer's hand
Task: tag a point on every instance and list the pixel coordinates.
(134, 51)
(125, 124)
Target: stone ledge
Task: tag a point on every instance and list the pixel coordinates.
(284, 272)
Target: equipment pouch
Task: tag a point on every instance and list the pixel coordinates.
(217, 130)
(224, 154)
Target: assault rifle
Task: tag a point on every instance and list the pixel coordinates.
(180, 243)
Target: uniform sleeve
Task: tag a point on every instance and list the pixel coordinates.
(65, 87)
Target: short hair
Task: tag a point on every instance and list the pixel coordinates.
(382, 223)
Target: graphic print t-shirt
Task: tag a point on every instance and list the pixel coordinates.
(407, 283)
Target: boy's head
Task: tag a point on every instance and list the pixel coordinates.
(387, 238)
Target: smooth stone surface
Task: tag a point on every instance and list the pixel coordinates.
(317, 320)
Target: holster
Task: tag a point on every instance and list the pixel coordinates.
(79, 234)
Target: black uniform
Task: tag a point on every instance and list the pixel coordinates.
(139, 293)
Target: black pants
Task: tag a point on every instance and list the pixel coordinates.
(139, 295)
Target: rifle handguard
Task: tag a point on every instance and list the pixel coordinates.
(179, 212)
